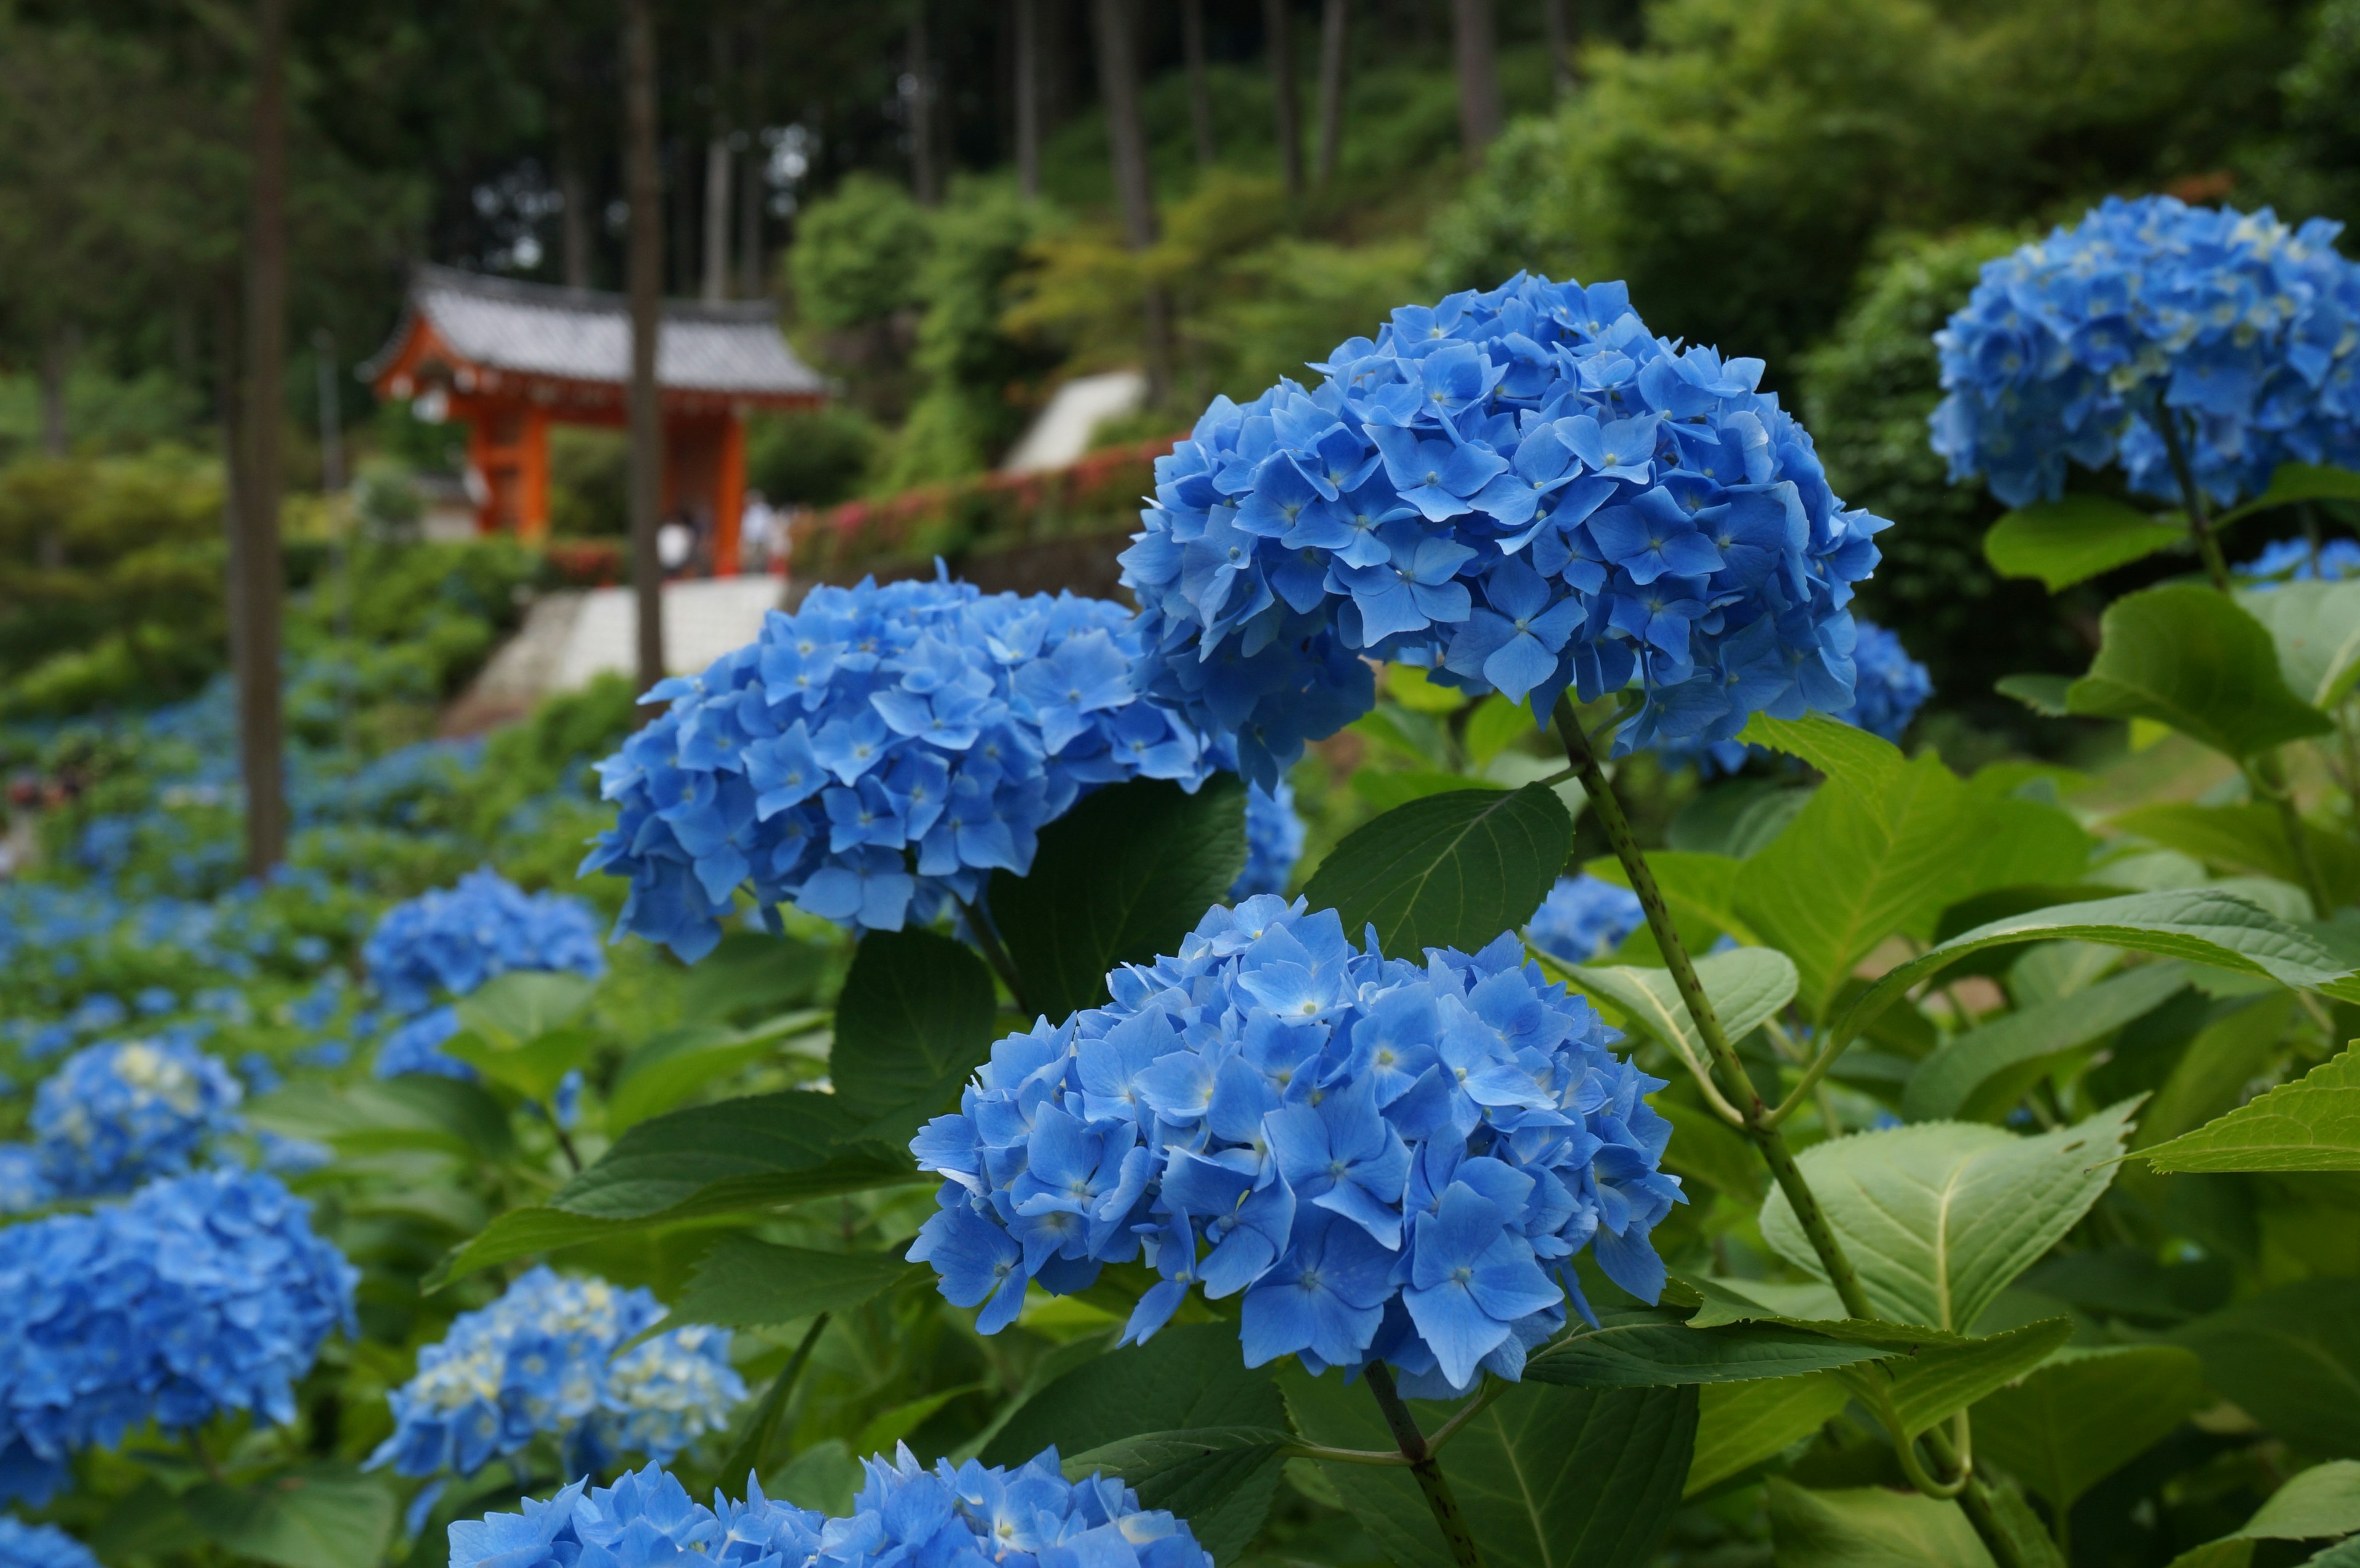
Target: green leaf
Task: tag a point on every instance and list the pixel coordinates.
(2321, 1503)
(1708, 1150)
(415, 1110)
(2237, 1044)
(1942, 1380)
(1856, 866)
(2290, 1359)
(532, 1065)
(1739, 1425)
(1736, 817)
(2066, 1426)
(2312, 1123)
(1745, 986)
(1941, 1216)
(1411, 687)
(1221, 1479)
(1659, 1350)
(1843, 751)
(2250, 837)
(889, 1427)
(511, 1008)
(2298, 482)
(2073, 539)
(527, 1232)
(1947, 1081)
(2044, 694)
(753, 1152)
(2316, 629)
(916, 1016)
(678, 1062)
(1119, 879)
(1869, 1527)
(2234, 1553)
(1494, 726)
(1547, 1476)
(318, 1516)
(753, 975)
(1453, 870)
(2187, 656)
(745, 1283)
(1722, 1301)
(1187, 1378)
(1387, 790)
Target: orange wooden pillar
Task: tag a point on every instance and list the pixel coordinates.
(532, 501)
(728, 494)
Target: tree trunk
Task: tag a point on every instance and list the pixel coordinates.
(261, 750)
(1335, 23)
(717, 221)
(646, 281)
(1127, 144)
(227, 385)
(1477, 44)
(573, 223)
(57, 369)
(925, 178)
(1200, 94)
(1562, 41)
(1278, 42)
(1028, 98)
(751, 283)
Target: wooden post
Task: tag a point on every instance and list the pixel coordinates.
(645, 270)
(1118, 51)
(1028, 98)
(261, 744)
(1200, 94)
(532, 476)
(1278, 39)
(728, 494)
(1334, 24)
(1477, 41)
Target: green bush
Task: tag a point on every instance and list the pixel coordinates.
(812, 457)
(857, 253)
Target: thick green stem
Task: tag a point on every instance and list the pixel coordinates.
(1426, 1468)
(2199, 519)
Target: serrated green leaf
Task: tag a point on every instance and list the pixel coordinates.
(529, 1232)
(1940, 1217)
(2064, 1427)
(2312, 1123)
(1119, 879)
(1942, 1380)
(735, 1154)
(1221, 1479)
(2074, 539)
(412, 1110)
(2234, 1553)
(1657, 1349)
(1745, 986)
(1494, 726)
(1869, 1527)
(1739, 1425)
(2290, 1359)
(2044, 694)
(1794, 1306)
(2316, 629)
(1455, 870)
(1948, 1080)
(513, 1008)
(2188, 658)
(2321, 1503)
(745, 1283)
(2292, 482)
(1545, 1476)
(316, 1516)
(918, 1014)
(678, 1062)
(1844, 752)
(533, 1065)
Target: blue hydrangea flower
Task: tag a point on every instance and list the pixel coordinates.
(199, 1294)
(447, 942)
(1891, 686)
(1392, 1160)
(415, 1045)
(946, 1516)
(877, 754)
(1273, 842)
(2071, 346)
(114, 1115)
(538, 1360)
(2290, 561)
(22, 1185)
(1518, 491)
(40, 1546)
(1584, 917)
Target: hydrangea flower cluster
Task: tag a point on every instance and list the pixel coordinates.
(40, 1546)
(1274, 841)
(198, 1294)
(2292, 560)
(115, 1116)
(1393, 1159)
(449, 941)
(2074, 346)
(1518, 491)
(1888, 689)
(22, 1185)
(415, 1045)
(948, 1516)
(877, 753)
(1583, 917)
(541, 1359)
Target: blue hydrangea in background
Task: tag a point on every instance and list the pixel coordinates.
(115, 1116)
(1393, 1159)
(1891, 686)
(1520, 490)
(537, 1361)
(199, 1294)
(1584, 917)
(40, 1546)
(415, 1045)
(879, 752)
(22, 1185)
(2071, 346)
(1273, 842)
(447, 942)
(2290, 561)
(946, 1516)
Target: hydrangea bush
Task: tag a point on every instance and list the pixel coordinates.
(1392, 1160)
(449, 941)
(1584, 917)
(40, 1546)
(115, 1116)
(877, 754)
(946, 1516)
(540, 1360)
(2294, 561)
(1521, 490)
(2072, 347)
(198, 1294)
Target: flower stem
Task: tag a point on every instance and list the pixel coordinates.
(1424, 1467)
(986, 937)
(2200, 519)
